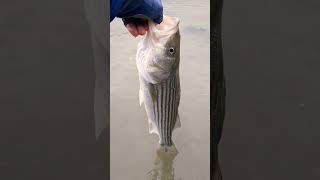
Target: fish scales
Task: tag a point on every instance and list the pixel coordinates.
(166, 109)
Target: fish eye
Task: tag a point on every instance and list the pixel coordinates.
(171, 51)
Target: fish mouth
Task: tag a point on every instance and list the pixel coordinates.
(169, 25)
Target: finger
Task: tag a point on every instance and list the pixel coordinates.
(142, 23)
(131, 27)
(146, 26)
(141, 30)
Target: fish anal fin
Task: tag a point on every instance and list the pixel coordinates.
(152, 127)
(178, 122)
(141, 99)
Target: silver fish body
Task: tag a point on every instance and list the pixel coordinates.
(158, 58)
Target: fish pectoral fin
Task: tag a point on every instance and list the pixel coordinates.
(178, 123)
(141, 99)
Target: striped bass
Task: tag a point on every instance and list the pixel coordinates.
(157, 59)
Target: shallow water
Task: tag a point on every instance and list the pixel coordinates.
(134, 152)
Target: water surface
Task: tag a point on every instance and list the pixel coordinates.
(134, 152)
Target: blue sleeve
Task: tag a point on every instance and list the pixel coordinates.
(151, 9)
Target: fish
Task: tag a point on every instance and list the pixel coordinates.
(158, 60)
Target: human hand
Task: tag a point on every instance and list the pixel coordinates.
(137, 26)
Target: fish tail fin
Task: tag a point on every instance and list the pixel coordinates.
(167, 149)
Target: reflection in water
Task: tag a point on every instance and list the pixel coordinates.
(163, 164)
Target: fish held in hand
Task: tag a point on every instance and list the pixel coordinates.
(158, 58)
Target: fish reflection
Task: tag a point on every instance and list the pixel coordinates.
(163, 164)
